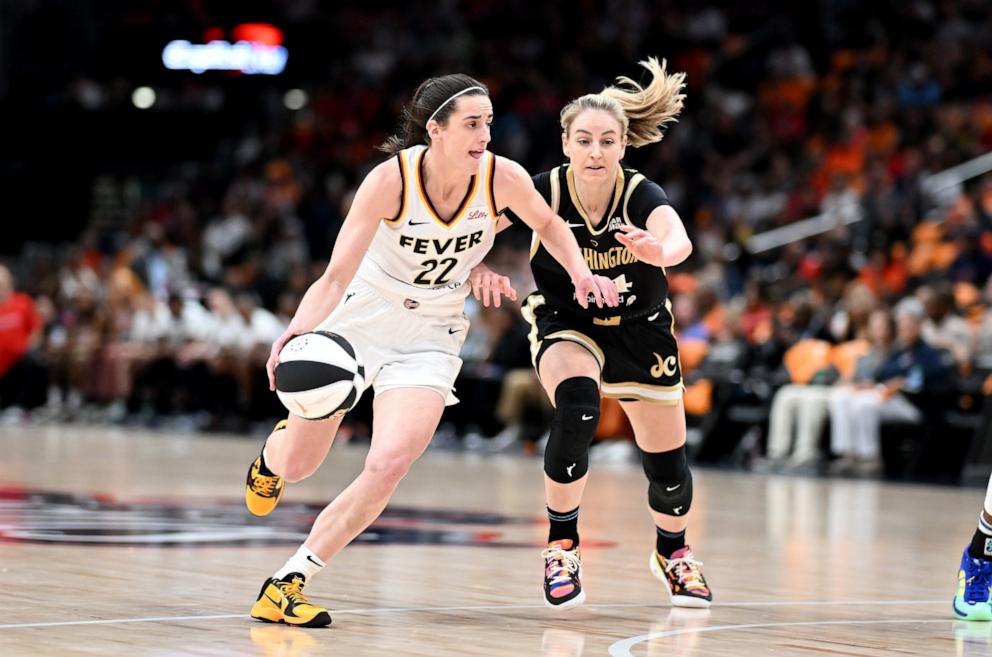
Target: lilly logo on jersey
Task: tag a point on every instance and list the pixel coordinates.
(476, 214)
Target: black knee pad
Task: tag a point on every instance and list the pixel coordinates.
(669, 481)
(566, 458)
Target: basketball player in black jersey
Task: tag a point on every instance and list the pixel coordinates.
(628, 232)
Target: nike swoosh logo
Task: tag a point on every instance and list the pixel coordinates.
(654, 316)
(348, 297)
(453, 331)
(275, 602)
(666, 488)
(417, 223)
(574, 225)
(587, 417)
(314, 561)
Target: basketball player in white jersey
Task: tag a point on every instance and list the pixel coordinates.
(395, 289)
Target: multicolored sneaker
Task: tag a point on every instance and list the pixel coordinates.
(562, 573)
(974, 579)
(282, 601)
(263, 492)
(682, 578)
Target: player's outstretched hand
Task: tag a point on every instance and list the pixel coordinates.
(488, 286)
(645, 246)
(602, 289)
(270, 365)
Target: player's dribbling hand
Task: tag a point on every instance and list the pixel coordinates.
(487, 284)
(643, 245)
(602, 289)
(270, 365)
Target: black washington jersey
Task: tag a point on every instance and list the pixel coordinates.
(643, 288)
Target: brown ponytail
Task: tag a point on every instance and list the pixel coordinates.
(430, 98)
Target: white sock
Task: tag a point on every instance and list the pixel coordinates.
(984, 525)
(265, 459)
(304, 562)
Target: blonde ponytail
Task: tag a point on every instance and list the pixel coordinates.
(643, 112)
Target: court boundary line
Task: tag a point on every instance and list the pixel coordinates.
(395, 610)
(622, 648)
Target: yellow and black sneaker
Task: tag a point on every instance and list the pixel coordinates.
(282, 601)
(263, 488)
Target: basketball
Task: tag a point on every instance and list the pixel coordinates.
(319, 375)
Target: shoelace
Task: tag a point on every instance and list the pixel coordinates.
(562, 564)
(687, 571)
(977, 586)
(293, 591)
(264, 486)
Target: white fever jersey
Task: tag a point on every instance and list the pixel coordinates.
(423, 258)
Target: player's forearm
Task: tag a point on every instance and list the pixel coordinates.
(481, 268)
(560, 243)
(321, 298)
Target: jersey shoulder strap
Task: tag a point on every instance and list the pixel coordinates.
(632, 183)
(555, 180)
(408, 181)
(401, 161)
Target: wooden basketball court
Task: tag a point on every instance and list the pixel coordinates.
(122, 543)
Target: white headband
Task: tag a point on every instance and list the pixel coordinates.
(463, 91)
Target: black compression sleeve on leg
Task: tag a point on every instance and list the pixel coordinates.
(566, 458)
(669, 481)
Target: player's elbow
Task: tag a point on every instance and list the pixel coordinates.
(678, 252)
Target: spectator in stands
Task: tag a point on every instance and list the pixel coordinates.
(983, 340)
(799, 411)
(176, 376)
(908, 381)
(23, 383)
(262, 327)
(943, 328)
(972, 264)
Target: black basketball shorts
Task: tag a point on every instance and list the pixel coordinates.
(638, 358)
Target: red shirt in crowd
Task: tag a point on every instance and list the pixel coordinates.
(18, 322)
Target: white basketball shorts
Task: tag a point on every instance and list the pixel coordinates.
(401, 347)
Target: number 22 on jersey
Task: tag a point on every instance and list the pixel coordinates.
(445, 266)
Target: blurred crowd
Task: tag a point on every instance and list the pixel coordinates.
(163, 309)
